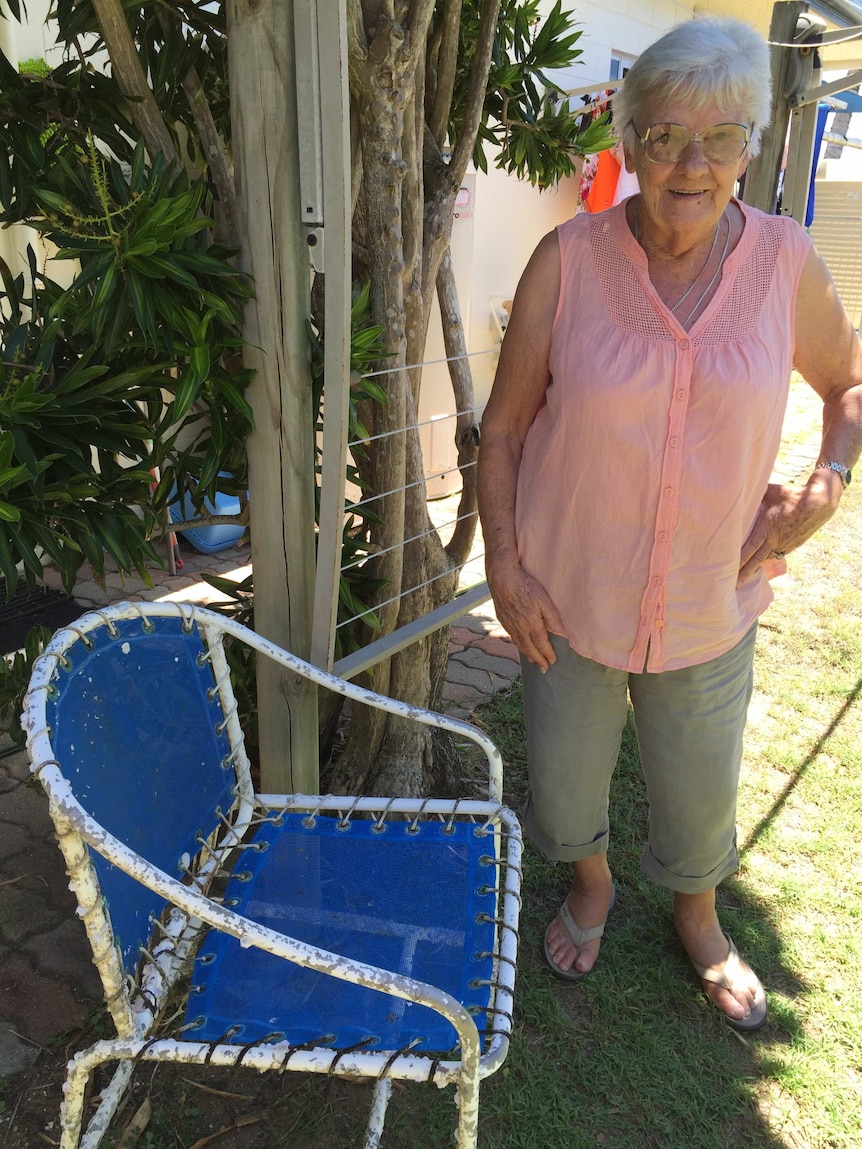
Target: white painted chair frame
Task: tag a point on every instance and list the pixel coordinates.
(135, 1011)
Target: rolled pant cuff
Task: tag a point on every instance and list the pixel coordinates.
(688, 883)
(554, 851)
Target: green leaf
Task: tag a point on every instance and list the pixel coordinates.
(7, 564)
(7, 447)
(53, 201)
(187, 391)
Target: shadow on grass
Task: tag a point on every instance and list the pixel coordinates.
(819, 746)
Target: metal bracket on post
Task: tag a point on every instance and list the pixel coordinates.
(803, 76)
(316, 250)
(310, 127)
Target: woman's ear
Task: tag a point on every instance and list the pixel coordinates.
(630, 161)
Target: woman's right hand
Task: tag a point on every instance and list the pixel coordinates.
(525, 610)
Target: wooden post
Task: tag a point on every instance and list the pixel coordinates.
(761, 179)
(281, 458)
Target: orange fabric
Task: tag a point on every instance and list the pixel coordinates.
(643, 471)
(603, 189)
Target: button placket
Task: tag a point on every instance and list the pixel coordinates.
(652, 603)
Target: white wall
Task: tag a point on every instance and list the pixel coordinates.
(34, 39)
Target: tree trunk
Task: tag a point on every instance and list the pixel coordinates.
(466, 427)
(131, 80)
(409, 198)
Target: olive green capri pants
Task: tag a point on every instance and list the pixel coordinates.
(689, 724)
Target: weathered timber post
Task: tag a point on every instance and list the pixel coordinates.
(281, 447)
(761, 179)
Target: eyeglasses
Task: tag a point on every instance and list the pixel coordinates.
(722, 144)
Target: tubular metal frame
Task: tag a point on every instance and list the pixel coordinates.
(136, 1009)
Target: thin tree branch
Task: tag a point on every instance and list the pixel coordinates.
(205, 520)
(466, 427)
(357, 41)
(416, 26)
(481, 67)
(355, 159)
(129, 74)
(447, 60)
(211, 141)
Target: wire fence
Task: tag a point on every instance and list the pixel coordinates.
(467, 595)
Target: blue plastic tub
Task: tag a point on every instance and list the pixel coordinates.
(208, 540)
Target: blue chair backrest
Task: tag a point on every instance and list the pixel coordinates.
(134, 732)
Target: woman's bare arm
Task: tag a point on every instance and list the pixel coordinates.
(523, 375)
(828, 355)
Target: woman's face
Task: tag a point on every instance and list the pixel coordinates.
(689, 196)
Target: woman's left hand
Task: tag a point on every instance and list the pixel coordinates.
(787, 518)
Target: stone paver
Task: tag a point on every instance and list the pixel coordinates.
(463, 694)
(15, 1053)
(37, 1004)
(498, 648)
(478, 658)
(485, 681)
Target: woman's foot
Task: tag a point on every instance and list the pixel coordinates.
(728, 981)
(588, 902)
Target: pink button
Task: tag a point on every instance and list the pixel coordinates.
(684, 345)
(680, 394)
(674, 441)
(655, 580)
(659, 623)
(662, 536)
(669, 492)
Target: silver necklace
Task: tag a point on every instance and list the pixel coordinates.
(694, 282)
(711, 283)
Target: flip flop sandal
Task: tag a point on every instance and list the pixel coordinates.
(579, 937)
(724, 975)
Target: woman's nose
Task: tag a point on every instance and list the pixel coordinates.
(693, 156)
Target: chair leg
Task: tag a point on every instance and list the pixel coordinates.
(72, 1109)
(382, 1093)
(467, 1101)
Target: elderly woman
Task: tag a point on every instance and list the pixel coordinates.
(630, 525)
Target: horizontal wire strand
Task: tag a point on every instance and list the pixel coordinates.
(413, 426)
(415, 538)
(406, 487)
(428, 363)
(405, 593)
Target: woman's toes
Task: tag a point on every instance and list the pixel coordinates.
(735, 1005)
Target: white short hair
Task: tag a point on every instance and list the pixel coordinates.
(713, 60)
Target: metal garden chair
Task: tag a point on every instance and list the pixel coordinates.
(358, 936)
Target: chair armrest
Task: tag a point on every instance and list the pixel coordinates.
(361, 694)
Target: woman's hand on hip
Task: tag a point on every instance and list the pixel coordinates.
(787, 518)
(525, 610)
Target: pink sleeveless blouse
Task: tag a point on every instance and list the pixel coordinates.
(643, 471)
